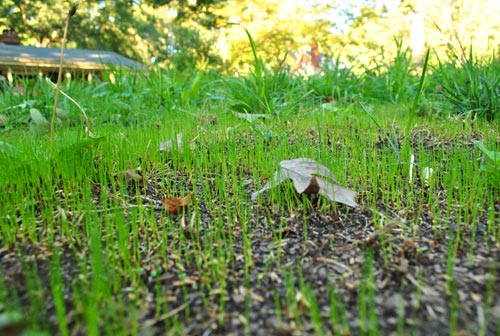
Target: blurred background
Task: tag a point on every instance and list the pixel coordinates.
(200, 33)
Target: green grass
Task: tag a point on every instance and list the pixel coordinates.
(100, 257)
(471, 85)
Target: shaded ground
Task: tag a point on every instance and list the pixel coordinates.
(398, 272)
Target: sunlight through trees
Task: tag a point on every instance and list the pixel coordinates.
(183, 33)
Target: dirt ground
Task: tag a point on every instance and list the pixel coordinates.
(411, 291)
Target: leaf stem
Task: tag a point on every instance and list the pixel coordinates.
(71, 12)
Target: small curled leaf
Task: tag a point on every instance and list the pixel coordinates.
(174, 205)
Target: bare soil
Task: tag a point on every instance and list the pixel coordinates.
(414, 287)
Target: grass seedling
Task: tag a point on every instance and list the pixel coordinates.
(401, 319)
(453, 241)
(453, 309)
(393, 141)
(215, 266)
(315, 312)
(277, 304)
(292, 307)
(367, 315)
(488, 299)
(36, 295)
(338, 317)
(57, 287)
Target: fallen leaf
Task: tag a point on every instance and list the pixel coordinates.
(22, 105)
(62, 114)
(38, 121)
(6, 147)
(310, 177)
(176, 204)
(250, 117)
(37, 117)
(132, 175)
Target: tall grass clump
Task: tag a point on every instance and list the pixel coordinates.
(338, 83)
(263, 91)
(391, 81)
(470, 86)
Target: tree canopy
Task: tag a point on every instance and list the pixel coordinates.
(182, 33)
(145, 30)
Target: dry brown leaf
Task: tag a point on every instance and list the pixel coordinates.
(174, 205)
(310, 177)
(131, 175)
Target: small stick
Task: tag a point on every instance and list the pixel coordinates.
(85, 117)
(71, 12)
